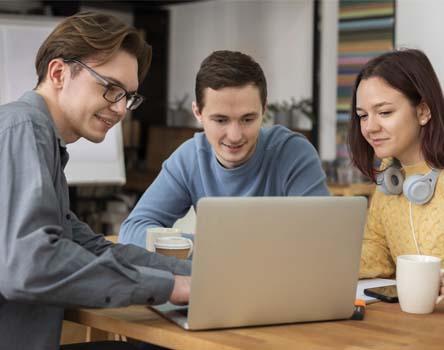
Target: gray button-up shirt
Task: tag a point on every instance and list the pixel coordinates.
(49, 259)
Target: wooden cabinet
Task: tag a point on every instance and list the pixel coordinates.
(162, 141)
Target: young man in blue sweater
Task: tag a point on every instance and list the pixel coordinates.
(234, 156)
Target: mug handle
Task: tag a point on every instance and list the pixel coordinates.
(192, 247)
(441, 297)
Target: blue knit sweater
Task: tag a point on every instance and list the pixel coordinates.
(284, 164)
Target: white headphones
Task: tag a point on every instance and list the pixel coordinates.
(418, 189)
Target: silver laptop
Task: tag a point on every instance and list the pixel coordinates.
(272, 260)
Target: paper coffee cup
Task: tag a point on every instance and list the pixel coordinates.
(153, 232)
(180, 247)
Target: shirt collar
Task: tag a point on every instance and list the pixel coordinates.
(36, 100)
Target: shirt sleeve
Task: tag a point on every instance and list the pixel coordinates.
(166, 200)
(40, 262)
(304, 175)
(131, 254)
(376, 260)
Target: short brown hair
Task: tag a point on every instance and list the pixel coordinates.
(410, 72)
(229, 69)
(87, 34)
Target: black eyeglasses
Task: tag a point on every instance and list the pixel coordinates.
(113, 92)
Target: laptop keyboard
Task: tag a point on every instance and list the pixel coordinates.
(183, 311)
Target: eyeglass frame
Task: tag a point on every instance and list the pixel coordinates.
(107, 85)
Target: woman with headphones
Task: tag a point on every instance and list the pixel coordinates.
(398, 117)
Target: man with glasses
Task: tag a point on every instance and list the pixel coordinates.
(48, 258)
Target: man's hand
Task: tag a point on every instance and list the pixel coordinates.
(181, 290)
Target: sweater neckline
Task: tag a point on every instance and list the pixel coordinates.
(420, 168)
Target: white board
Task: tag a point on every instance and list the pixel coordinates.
(20, 39)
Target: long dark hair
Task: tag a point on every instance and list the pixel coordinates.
(410, 72)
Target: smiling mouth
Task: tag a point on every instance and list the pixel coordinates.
(233, 147)
(378, 141)
(105, 121)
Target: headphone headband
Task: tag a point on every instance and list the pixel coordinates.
(418, 189)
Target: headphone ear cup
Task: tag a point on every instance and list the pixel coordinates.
(419, 189)
(390, 181)
(381, 184)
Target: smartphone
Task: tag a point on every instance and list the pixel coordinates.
(386, 293)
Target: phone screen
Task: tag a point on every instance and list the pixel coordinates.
(386, 293)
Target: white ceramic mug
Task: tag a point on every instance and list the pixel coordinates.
(418, 281)
(180, 247)
(153, 232)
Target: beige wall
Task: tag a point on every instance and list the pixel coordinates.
(278, 34)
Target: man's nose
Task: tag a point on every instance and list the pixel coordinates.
(234, 132)
(119, 108)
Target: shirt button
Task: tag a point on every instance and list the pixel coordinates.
(107, 300)
(150, 300)
(68, 216)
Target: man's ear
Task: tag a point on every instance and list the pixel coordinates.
(423, 113)
(57, 70)
(196, 112)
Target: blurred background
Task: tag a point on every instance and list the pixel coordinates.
(310, 52)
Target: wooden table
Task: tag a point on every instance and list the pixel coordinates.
(384, 327)
(358, 189)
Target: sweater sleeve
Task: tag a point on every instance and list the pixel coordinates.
(166, 199)
(376, 260)
(303, 175)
